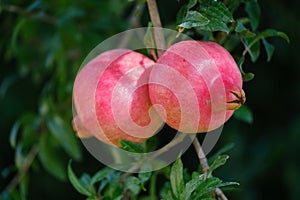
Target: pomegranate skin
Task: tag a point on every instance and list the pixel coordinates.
(195, 86)
(111, 98)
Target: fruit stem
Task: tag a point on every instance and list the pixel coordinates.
(158, 34)
(205, 167)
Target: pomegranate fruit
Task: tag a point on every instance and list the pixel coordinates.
(111, 98)
(195, 86)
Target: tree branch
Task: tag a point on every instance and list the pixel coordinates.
(205, 166)
(18, 177)
(158, 33)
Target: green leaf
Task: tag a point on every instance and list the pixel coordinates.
(34, 5)
(215, 25)
(254, 12)
(191, 186)
(227, 184)
(13, 134)
(24, 186)
(246, 76)
(176, 178)
(244, 114)
(100, 175)
(146, 175)
(253, 48)
(206, 186)
(65, 136)
(191, 4)
(223, 150)
(7, 82)
(20, 159)
(269, 49)
(131, 146)
(133, 184)
(76, 183)
(240, 28)
(85, 180)
(15, 34)
(210, 185)
(272, 33)
(217, 10)
(193, 19)
(31, 122)
(180, 14)
(217, 14)
(49, 158)
(221, 160)
(149, 41)
(253, 44)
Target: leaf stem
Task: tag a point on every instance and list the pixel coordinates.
(158, 33)
(205, 167)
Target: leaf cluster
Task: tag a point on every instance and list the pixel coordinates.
(213, 19)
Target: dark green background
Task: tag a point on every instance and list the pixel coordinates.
(266, 156)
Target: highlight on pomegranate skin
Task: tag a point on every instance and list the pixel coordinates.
(195, 86)
(111, 98)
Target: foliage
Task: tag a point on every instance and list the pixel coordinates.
(208, 16)
(42, 46)
(109, 184)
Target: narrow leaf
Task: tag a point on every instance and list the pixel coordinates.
(207, 186)
(100, 175)
(219, 161)
(244, 114)
(13, 134)
(253, 48)
(176, 178)
(133, 184)
(49, 158)
(269, 49)
(272, 32)
(15, 34)
(210, 185)
(146, 173)
(85, 180)
(191, 186)
(19, 157)
(191, 4)
(254, 12)
(24, 186)
(240, 28)
(246, 76)
(228, 184)
(131, 146)
(223, 150)
(76, 183)
(67, 139)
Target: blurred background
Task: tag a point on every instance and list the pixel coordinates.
(42, 45)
